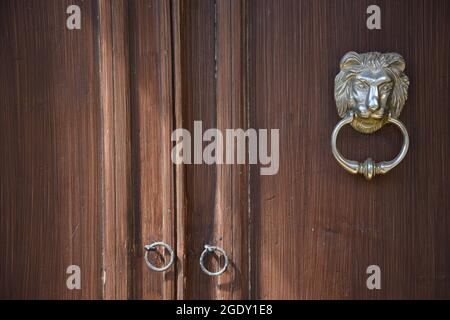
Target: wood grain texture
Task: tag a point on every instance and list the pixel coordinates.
(152, 121)
(50, 212)
(317, 228)
(231, 206)
(116, 153)
(122, 148)
(197, 63)
(212, 63)
(86, 176)
(180, 185)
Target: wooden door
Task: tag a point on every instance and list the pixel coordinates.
(50, 182)
(312, 230)
(86, 118)
(317, 228)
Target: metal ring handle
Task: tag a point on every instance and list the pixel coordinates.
(152, 247)
(209, 249)
(369, 168)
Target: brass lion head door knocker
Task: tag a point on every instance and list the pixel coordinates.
(370, 91)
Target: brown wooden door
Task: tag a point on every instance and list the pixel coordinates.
(86, 118)
(50, 203)
(312, 230)
(316, 228)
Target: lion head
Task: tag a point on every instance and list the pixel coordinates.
(373, 86)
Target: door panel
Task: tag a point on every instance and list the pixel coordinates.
(212, 64)
(153, 217)
(318, 228)
(50, 178)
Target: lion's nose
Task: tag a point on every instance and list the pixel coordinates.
(372, 102)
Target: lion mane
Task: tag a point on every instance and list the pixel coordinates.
(353, 63)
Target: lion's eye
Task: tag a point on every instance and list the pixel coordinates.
(386, 87)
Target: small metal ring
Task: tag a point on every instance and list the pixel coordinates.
(369, 168)
(152, 247)
(209, 249)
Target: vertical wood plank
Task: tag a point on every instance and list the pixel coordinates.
(153, 216)
(197, 60)
(122, 130)
(231, 184)
(180, 174)
(50, 212)
(213, 90)
(114, 99)
(107, 135)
